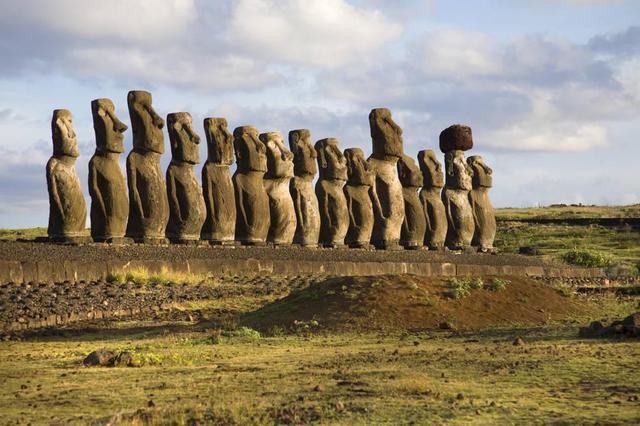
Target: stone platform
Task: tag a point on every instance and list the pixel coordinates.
(24, 262)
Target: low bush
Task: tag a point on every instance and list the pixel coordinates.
(498, 284)
(587, 258)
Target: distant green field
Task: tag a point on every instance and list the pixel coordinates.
(569, 212)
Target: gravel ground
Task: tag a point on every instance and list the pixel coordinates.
(33, 251)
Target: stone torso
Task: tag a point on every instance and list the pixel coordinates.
(109, 202)
(388, 203)
(148, 204)
(252, 224)
(307, 211)
(459, 217)
(436, 218)
(414, 224)
(217, 188)
(67, 211)
(360, 214)
(484, 216)
(186, 203)
(333, 208)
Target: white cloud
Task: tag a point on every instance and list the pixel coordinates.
(324, 33)
(532, 135)
(141, 21)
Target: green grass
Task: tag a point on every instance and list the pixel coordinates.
(569, 212)
(27, 234)
(587, 258)
(245, 378)
(165, 276)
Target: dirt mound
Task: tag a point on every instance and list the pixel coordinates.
(406, 302)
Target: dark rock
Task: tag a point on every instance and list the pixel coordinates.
(101, 357)
(124, 359)
(529, 251)
(518, 342)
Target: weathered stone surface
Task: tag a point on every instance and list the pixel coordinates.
(356, 191)
(456, 137)
(304, 197)
(456, 201)
(220, 224)
(107, 187)
(67, 208)
(276, 183)
(148, 203)
(334, 215)
(101, 357)
(252, 201)
(432, 183)
(187, 211)
(386, 192)
(414, 225)
(483, 214)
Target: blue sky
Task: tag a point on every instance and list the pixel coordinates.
(551, 88)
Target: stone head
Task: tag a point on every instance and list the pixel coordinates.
(409, 172)
(358, 171)
(456, 137)
(250, 152)
(386, 135)
(431, 169)
(279, 158)
(219, 141)
(108, 128)
(459, 173)
(63, 134)
(331, 162)
(304, 155)
(481, 172)
(146, 124)
(183, 139)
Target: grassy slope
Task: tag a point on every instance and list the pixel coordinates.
(569, 212)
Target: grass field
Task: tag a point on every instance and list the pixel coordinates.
(219, 373)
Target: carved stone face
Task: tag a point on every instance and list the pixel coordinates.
(458, 171)
(431, 169)
(63, 134)
(250, 152)
(358, 169)
(304, 155)
(219, 141)
(108, 128)
(385, 134)
(279, 158)
(184, 140)
(481, 172)
(331, 162)
(146, 124)
(409, 173)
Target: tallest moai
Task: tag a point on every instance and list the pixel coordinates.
(386, 192)
(148, 204)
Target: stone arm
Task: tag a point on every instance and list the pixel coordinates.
(352, 218)
(207, 190)
(133, 189)
(297, 201)
(375, 200)
(173, 198)
(94, 189)
(450, 210)
(54, 196)
(426, 208)
(325, 207)
(240, 206)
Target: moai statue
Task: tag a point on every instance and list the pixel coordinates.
(436, 218)
(220, 226)
(252, 201)
(187, 211)
(386, 192)
(107, 187)
(334, 215)
(304, 197)
(483, 214)
(414, 225)
(356, 190)
(453, 141)
(276, 183)
(148, 204)
(67, 209)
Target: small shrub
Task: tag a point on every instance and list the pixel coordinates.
(587, 258)
(243, 332)
(459, 288)
(498, 284)
(477, 283)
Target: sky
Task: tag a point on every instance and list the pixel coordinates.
(551, 88)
